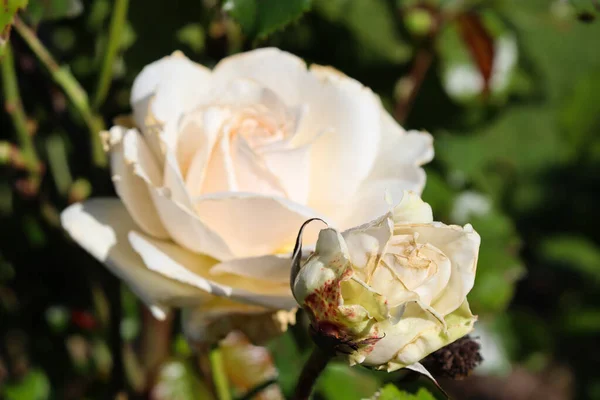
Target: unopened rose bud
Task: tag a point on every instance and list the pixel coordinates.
(388, 293)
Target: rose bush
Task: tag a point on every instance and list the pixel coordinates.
(221, 167)
(388, 293)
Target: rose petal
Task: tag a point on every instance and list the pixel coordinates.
(193, 269)
(281, 72)
(206, 125)
(292, 167)
(175, 210)
(251, 173)
(101, 226)
(254, 225)
(367, 243)
(376, 197)
(343, 158)
(176, 85)
(398, 149)
(461, 246)
(271, 268)
(417, 336)
(127, 171)
(412, 209)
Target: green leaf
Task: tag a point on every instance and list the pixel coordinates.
(391, 392)
(9, 9)
(34, 386)
(192, 35)
(372, 24)
(576, 253)
(177, 380)
(340, 382)
(260, 18)
(53, 9)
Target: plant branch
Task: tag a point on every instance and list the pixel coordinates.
(62, 77)
(310, 373)
(114, 40)
(14, 108)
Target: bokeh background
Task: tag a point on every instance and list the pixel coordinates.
(510, 90)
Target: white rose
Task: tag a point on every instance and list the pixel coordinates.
(388, 293)
(225, 165)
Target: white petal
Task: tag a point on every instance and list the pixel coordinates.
(372, 198)
(292, 167)
(461, 246)
(412, 209)
(220, 171)
(343, 158)
(193, 269)
(398, 149)
(176, 84)
(175, 210)
(367, 243)
(254, 225)
(415, 337)
(251, 172)
(127, 171)
(101, 226)
(272, 268)
(208, 124)
(281, 72)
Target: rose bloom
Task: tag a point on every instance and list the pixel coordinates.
(388, 293)
(220, 168)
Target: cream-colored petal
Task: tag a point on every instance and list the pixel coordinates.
(175, 210)
(398, 149)
(101, 227)
(251, 172)
(412, 209)
(292, 168)
(254, 225)
(167, 89)
(177, 263)
(279, 71)
(220, 170)
(206, 125)
(341, 159)
(374, 198)
(461, 246)
(326, 264)
(414, 337)
(421, 268)
(367, 243)
(271, 268)
(130, 173)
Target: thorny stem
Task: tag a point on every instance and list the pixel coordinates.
(62, 77)
(114, 40)
(310, 373)
(14, 107)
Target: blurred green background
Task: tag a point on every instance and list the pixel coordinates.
(510, 90)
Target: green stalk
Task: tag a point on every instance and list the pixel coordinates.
(219, 375)
(77, 96)
(14, 107)
(114, 39)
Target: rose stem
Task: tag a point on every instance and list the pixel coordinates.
(63, 77)
(219, 375)
(310, 373)
(14, 107)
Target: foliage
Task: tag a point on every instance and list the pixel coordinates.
(509, 89)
